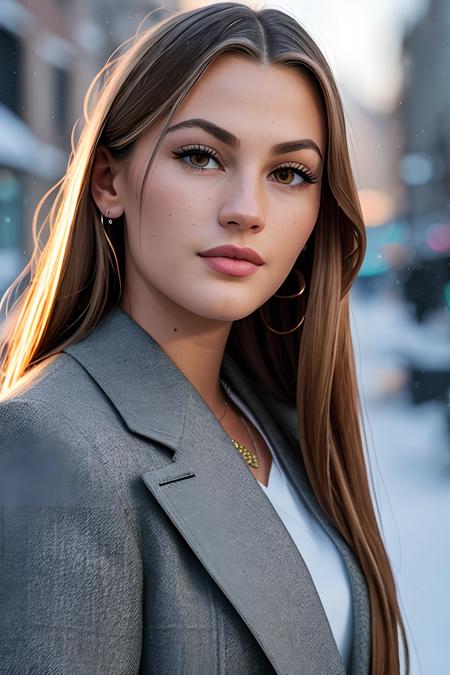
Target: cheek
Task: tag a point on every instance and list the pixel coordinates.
(159, 216)
(298, 223)
(174, 203)
(311, 206)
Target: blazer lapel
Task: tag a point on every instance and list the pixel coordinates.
(280, 423)
(210, 495)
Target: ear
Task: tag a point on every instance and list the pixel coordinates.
(104, 181)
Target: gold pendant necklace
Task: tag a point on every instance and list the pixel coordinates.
(250, 457)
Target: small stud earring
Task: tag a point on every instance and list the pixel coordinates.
(107, 216)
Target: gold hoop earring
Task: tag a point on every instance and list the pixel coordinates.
(287, 297)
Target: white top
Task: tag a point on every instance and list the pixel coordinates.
(317, 549)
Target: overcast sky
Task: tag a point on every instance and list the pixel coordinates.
(361, 40)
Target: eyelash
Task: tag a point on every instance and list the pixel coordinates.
(301, 170)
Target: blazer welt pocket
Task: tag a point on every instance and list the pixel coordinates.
(174, 479)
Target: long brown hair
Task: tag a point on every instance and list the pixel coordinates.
(74, 278)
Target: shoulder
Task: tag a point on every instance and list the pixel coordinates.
(34, 403)
(56, 395)
(43, 443)
(54, 380)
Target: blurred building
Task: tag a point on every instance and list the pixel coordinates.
(374, 139)
(49, 52)
(426, 108)
(425, 165)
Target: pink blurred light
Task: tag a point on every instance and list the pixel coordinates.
(438, 237)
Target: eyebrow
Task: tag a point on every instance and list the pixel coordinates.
(230, 139)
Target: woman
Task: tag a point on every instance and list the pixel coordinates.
(202, 411)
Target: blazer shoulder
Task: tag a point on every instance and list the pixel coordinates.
(58, 388)
(52, 378)
(41, 431)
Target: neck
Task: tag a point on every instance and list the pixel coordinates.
(195, 345)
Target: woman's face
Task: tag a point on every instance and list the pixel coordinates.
(234, 187)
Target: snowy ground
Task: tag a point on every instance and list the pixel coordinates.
(409, 451)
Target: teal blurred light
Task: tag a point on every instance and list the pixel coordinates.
(377, 237)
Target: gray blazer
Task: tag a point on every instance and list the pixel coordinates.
(150, 548)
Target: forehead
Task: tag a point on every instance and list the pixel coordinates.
(251, 100)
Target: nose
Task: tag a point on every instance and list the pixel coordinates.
(244, 205)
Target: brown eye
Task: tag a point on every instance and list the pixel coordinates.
(302, 172)
(285, 173)
(200, 155)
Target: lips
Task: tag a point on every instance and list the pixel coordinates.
(230, 251)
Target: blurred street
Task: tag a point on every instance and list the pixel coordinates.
(409, 453)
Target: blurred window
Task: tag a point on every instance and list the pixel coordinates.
(11, 257)
(10, 64)
(61, 90)
(10, 210)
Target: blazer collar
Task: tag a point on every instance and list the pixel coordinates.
(215, 501)
(143, 383)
